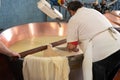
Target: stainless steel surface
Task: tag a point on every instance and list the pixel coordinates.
(20, 32)
(61, 48)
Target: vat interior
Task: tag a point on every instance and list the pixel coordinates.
(30, 30)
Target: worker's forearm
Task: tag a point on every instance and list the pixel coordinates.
(4, 49)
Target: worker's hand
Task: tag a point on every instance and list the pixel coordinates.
(14, 54)
(72, 47)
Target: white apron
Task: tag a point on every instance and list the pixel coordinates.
(87, 62)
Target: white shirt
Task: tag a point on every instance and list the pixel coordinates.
(85, 24)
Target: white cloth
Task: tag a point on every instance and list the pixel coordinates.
(82, 28)
(45, 68)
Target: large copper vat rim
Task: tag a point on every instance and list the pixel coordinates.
(31, 23)
(52, 27)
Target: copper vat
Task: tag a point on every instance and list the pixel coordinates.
(16, 33)
(114, 18)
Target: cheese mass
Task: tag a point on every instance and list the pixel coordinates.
(31, 43)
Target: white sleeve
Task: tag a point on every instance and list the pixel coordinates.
(72, 31)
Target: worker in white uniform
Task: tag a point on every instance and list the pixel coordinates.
(98, 40)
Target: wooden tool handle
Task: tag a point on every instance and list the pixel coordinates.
(58, 42)
(31, 51)
(34, 50)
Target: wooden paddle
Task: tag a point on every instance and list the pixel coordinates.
(41, 48)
